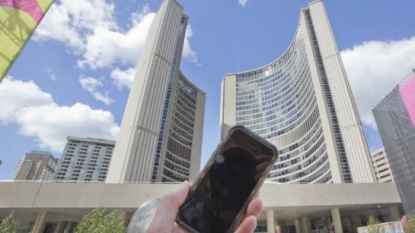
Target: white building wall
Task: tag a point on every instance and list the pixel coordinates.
(323, 111)
(197, 136)
(381, 166)
(133, 157)
(228, 105)
(70, 202)
(84, 160)
(352, 133)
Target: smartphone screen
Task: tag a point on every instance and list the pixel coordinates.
(231, 177)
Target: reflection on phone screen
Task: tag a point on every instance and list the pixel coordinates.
(214, 205)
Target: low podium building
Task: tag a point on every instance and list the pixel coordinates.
(313, 208)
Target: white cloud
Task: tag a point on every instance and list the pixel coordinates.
(88, 28)
(91, 85)
(243, 2)
(105, 47)
(123, 78)
(16, 95)
(374, 68)
(188, 53)
(71, 20)
(40, 117)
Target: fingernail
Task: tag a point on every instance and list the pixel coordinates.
(181, 187)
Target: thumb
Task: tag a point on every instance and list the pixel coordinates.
(170, 203)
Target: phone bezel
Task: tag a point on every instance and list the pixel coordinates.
(210, 162)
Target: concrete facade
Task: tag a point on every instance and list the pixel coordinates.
(161, 131)
(302, 103)
(36, 165)
(41, 204)
(85, 159)
(381, 166)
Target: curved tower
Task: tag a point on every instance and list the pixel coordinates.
(161, 131)
(302, 103)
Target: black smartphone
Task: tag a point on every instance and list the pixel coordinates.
(219, 197)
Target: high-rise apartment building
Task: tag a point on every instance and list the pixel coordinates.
(85, 159)
(381, 166)
(36, 165)
(395, 118)
(302, 103)
(161, 130)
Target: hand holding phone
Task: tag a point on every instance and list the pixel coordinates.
(218, 199)
(168, 207)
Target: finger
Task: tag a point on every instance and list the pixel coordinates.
(170, 203)
(247, 226)
(254, 208)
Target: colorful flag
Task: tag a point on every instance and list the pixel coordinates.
(18, 20)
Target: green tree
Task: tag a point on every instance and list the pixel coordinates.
(98, 221)
(374, 226)
(9, 224)
(409, 227)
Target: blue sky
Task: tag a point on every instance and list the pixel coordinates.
(73, 76)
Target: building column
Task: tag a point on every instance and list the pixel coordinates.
(395, 215)
(40, 223)
(61, 227)
(337, 220)
(297, 225)
(270, 221)
(356, 222)
(304, 225)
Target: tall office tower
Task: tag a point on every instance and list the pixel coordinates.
(395, 118)
(85, 159)
(161, 130)
(36, 165)
(381, 166)
(302, 103)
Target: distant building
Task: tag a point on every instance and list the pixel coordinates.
(160, 138)
(381, 166)
(36, 165)
(395, 118)
(85, 159)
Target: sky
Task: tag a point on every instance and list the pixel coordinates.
(74, 74)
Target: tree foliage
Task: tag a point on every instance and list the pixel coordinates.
(374, 226)
(98, 221)
(10, 224)
(409, 227)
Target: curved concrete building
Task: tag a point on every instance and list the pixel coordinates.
(180, 149)
(302, 103)
(161, 131)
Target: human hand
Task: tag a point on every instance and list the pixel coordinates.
(164, 219)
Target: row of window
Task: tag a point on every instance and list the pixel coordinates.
(187, 87)
(330, 104)
(284, 106)
(274, 82)
(279, 100)
(279, 64)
